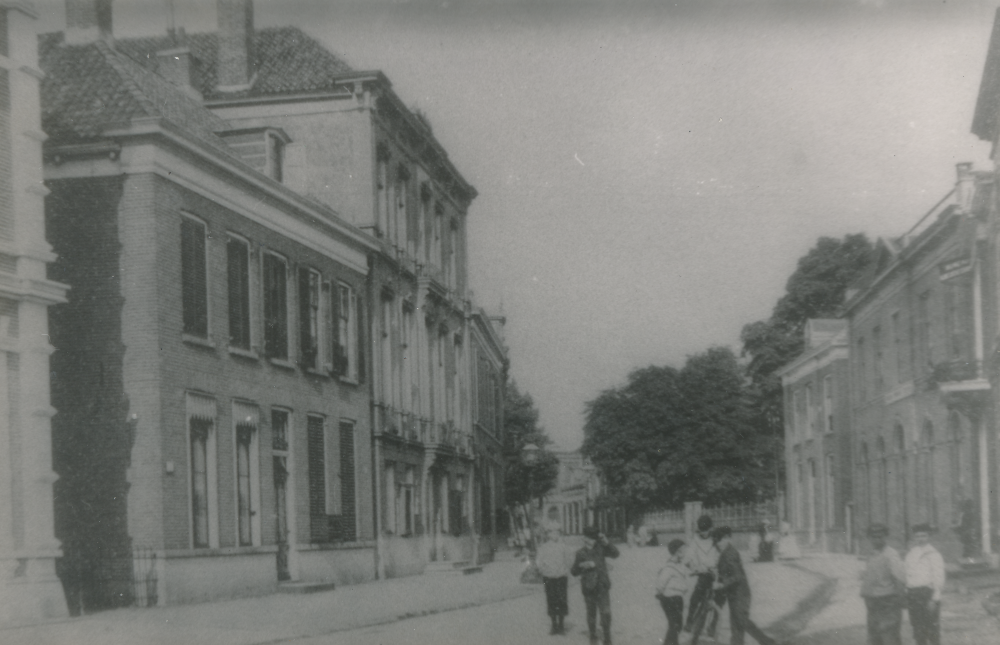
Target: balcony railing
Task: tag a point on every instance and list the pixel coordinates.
(409, 426)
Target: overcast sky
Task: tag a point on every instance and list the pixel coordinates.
(648, 175)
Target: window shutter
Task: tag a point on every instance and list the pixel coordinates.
(307, 345)
(318, 522)
(338, 349)
(237, 257)
(360, 309)
(195, 294)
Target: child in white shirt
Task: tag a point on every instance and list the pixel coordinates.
(672, 583)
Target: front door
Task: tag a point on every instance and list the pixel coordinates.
(281, 515)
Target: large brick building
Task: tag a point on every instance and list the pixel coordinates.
(818, 438)
(269, 367)
(29, 589)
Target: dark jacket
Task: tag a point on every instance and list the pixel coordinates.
(732, 577)
(595, 579)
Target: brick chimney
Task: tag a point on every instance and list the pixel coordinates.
(236, 63)
(176, 65)
(88, 21)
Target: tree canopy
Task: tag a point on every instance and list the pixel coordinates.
(668, 436)
(523, 481)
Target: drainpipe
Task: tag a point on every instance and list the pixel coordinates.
(984, 477)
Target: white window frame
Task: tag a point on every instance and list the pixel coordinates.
(248, 413)
(348, 329)
(208, 271)
(201, 406)
(251, 295)
(290, 289)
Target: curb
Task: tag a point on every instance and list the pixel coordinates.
(796, 620)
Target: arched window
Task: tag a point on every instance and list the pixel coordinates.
(866, 481)
(929, 499)
(883, 480)
(901, 479)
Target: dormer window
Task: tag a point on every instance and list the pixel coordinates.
(261, 148)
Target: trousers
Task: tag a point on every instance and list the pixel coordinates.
(740, 623)
(926, 622)
(555, 595)
(884, 619)
(598, 601)
(673, 608)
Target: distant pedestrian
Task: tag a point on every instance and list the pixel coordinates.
(788, 546)
(762, 543)
(968, 528)
(555, 558)
(882, 584)
(595, 584)
(672, 583)
(735, 587)
(702, 560)
(924, 584)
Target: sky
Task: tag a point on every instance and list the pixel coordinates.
(650, 172)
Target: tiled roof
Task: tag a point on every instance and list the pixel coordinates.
(90, 88)
(288, 62)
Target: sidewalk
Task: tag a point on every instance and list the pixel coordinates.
(279, 617)
(963, 619)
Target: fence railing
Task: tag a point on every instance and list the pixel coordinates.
(738, 517)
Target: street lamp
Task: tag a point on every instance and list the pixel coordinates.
(530, 455)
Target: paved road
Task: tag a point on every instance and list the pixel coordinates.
(638, 619)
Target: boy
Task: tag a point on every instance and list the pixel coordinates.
(671, 585)
(924, 584)
(595, 584)
(735, 588)
(554, 560)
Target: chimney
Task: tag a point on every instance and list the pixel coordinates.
(235, 65)
(88, 21)
(177, 66)
(964, 186)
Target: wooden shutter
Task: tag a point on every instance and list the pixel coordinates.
(318, 521)
(237, 257)
(195, 292)
(307, 344)
(360, 316)
(348, 521)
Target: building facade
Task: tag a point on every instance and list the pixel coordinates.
(213, 437)
(921, 392)
(818, 438)
(29, 588)
(269, 368)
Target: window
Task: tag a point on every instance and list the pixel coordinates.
(275, 157)
(204, 483)
(275, 307)
(877, 347)
(399, 232)
(958, 309)
(897, 346)
(345, 358)
(828, 403)
(453, 255)
(382, 186)
(410, 402)
(279, 430)
(436, 247)
(310, 286)
(426, 220)
(862, 379)
(401, 487)
(238, 265)
(830, 502)
(385, 351)
(321, 503)
(347, 528)
(796, 415)
(457, 521)
(927, 476)
(456, 381)
(246, 419)
(924, 352)
(194, 284)
(810, 412)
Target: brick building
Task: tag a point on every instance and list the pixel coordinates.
(921, 398)
(211, 371)
(818, 438)
(29, 588)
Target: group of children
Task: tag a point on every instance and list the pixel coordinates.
(712, 571)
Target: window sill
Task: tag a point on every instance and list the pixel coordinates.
(347, 380)
(198, 340)
(243, 353)
(282, 363)
(312, 371)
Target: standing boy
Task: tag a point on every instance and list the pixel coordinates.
(924, 584)
(554, 561)
(671, 585)
(881, 583)
(735, 588)
(702, 559)
(595, 584)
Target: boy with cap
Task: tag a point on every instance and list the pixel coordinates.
(671, 585)
(702, 560)
(735, 588)
(924, 584)
(881, 584)
(595, 584)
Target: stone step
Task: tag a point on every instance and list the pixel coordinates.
(305, 587)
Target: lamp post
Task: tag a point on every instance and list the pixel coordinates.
(530, 456)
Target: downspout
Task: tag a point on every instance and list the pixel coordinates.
(983, 444)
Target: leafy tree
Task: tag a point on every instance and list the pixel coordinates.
(524, 482)
(668, 436)
(815, 290)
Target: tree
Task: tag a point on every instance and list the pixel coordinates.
(525, 482)
(668, 436)
(815, 290)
